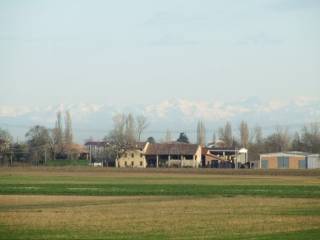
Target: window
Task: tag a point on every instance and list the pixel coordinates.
(283, 162)
(125, 155)
(132, 155)
(141, 163)
(264, 164)
(132, 163)
(303, 163)
(125, 163)
(195, 157)
(141, 155)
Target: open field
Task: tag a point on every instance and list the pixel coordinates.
(87, 203)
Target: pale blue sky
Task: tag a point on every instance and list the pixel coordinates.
(144, 51)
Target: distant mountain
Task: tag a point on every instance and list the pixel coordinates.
(95, 120)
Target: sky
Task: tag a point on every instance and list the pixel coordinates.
(174, 61)
(135, 52)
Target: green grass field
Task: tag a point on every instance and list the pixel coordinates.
(64, 162)
(93, 203)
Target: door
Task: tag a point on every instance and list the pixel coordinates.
(264, 164)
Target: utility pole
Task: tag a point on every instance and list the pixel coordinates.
(45, 156)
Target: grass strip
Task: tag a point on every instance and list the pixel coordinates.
(162, 190)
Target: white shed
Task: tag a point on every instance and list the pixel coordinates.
(313, 161)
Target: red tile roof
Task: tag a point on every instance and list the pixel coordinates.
(172, 149)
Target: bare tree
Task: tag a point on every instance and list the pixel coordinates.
(142, 124)
(38, 139)
(5, 139)
(201, 133)
(122, 136)
(278, 141)
(297, 144)
(244, 134)
(311, 137)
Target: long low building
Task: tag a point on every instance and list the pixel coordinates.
(289, 160)
(173, 155)
(161, 155)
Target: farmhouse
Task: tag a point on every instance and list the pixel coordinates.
(289, 160)
(134, 157)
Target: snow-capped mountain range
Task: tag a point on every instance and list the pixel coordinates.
(95, 120)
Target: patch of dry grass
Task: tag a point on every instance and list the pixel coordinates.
(175, 216)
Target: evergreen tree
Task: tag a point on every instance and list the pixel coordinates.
(183, 138)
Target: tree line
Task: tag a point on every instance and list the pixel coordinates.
(41, 143)
(57, 143)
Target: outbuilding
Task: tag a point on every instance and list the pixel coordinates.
(289, 160)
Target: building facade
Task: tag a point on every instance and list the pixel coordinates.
(134, 157)
(289, 160)
(160, 155)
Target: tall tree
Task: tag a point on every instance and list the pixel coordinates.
(228, 137)
(257, 134)
(68, 135)
(214, 137)
(57, 134)
(256, 144)
(201, 133)
(142, 124)
(167, 137)
(130, 129)
(183, 138)
(225, 134)
(244, 134)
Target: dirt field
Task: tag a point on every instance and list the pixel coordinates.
(86, 203)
